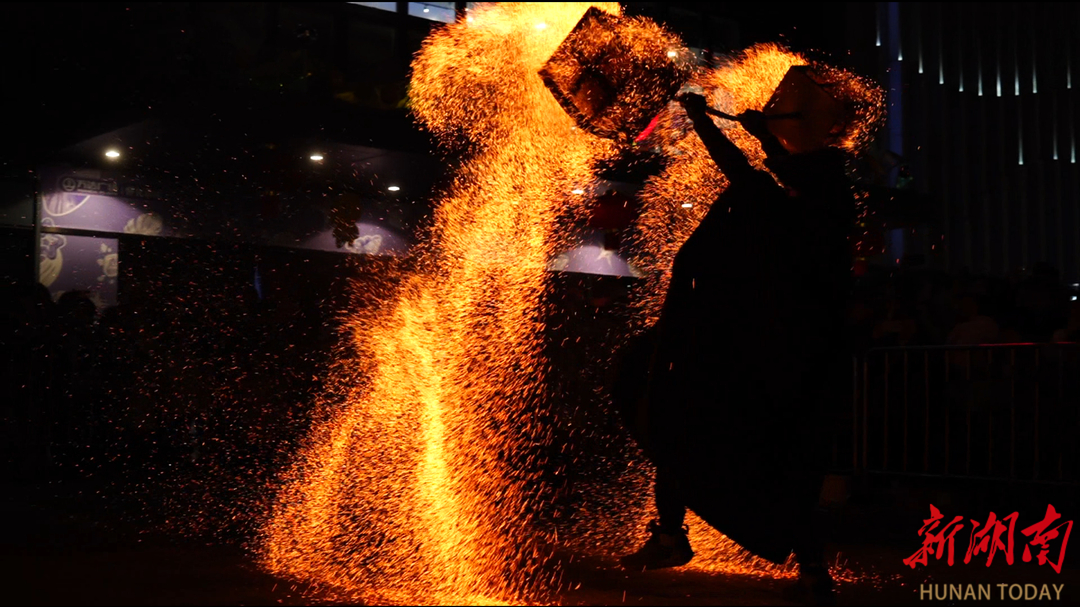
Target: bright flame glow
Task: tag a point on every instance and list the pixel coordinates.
(421, 479)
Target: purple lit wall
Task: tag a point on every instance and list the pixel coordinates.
(81, 263)
(91, 200)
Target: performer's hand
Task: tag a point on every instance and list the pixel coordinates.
(694, 104)
(755, 123)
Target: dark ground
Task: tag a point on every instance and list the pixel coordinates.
(65, 545)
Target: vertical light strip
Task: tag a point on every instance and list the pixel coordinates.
(1020, 138)
(877, 24)
(997, 54)
(1054, 135)
(918, 41)
(940, 51)
(894, 30)
(1034, 63)
(1016, 67)
(1072, 137)
(978, 53)
(960, 61)
(1016, 59)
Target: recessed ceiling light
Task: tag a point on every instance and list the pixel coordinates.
(687, 205)
(316, 157)
(427, 10)
(112, 154)
(393, 188)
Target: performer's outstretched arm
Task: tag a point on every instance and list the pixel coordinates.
(727, 156)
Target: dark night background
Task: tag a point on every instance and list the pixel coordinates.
(116, 419)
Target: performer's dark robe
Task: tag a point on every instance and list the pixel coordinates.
(749, 358)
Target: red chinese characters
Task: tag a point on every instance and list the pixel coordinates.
(1044, 535)
(989, 539)
(994, 536)
(932, 540)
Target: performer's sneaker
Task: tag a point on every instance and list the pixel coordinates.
(662, 550)
(814, 587)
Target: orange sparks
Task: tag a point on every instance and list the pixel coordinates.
(420, 481)
(419, 487)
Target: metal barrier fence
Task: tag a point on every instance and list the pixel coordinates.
(1009, 412)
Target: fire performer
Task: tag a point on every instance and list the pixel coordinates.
(749, 348)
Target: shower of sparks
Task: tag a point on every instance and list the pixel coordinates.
(420, 482)
(421, 486)
(746, 82)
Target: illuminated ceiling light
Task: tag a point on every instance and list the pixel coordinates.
(672, 54)
(112, 154)
(687, 205)
(427, 10)
(316, 157)
(578, 192)
(393, 188)
(541, 26)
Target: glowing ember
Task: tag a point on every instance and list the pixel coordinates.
(420, 481)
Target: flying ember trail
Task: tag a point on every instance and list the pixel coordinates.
(420, 482)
